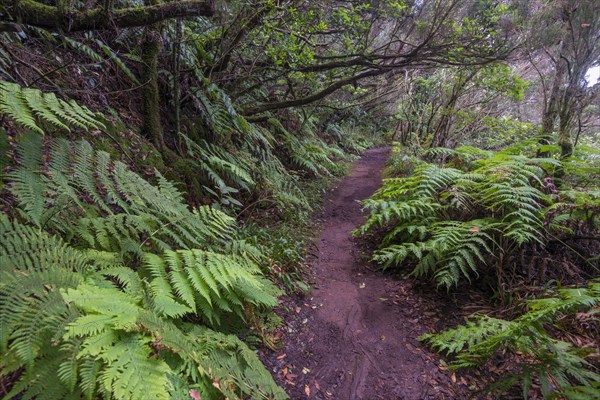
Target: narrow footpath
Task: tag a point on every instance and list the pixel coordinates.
(355, 334)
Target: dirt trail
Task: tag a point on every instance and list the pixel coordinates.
(355, 337)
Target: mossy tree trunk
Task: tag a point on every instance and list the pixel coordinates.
(151, 125)
(551, 103)
(565, 141)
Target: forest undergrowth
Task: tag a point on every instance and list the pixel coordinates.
(161, 160)
(499, 221)
(99, 261)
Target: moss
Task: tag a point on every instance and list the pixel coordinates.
(184, 170)
(194, 131)
(151, 127)
(114, 124)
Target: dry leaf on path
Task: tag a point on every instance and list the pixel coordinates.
(307, 390)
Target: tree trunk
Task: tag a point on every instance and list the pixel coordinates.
(151, 125)
(551, 109)
(176, 78)
(565, 141)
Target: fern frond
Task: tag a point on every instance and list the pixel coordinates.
(24, 105)
(73, 309)
(117, 60)
(482, 337)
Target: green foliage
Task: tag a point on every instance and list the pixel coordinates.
(30, 108)
(453, 221)
(104, 272)
(265, 161)
(225, 171)
(284, 249)
(245, 159)
(466, 212)
(460, 105)
(84, 194)
(117, 60)
(83, 48)
(311, 154)
(555, 364)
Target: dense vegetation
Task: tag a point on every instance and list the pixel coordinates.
(160, 161)
(495, 219)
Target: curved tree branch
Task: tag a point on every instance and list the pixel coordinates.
(260, 108)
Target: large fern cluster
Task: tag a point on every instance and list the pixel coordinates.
(257, 159)
(101, 203)
(450, 221)
(462, 212)
(244, 160)
(113, 287)
(556, 365)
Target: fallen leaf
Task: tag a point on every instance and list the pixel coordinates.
(474, 229)
(307, 390)
(453, 378)
(194, 394)
(317, 385)
(298, 310)
(305, 370)
(281, 357)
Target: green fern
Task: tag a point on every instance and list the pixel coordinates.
(452, 223)
(83, 48)
(117, 60)
(105, 264)
(246, 161)
(32, 266)
(224, 170)
(29, 106)
(127, 208)
(186, 280)
(544, 358)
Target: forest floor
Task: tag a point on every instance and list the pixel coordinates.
(354, 336)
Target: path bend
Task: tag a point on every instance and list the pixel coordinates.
(360, 341)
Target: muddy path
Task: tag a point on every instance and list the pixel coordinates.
(354, 336)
